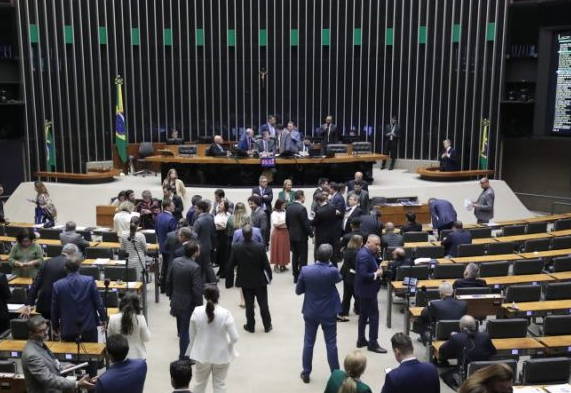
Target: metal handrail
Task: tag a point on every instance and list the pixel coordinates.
(547, 197)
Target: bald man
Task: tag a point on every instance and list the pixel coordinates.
(351, 183)
(216, 149)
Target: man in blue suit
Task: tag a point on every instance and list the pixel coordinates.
(442, 213)
(321, 305)
(367, 286)
(246, 142)
(449, 159)
(165, 223)
(124, 375)
(411, 375)
(77, 308)
(455, 238)
(256, 236)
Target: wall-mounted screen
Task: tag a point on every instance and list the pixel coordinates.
(561, 83)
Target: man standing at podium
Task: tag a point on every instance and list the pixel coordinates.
(328, 133)
(448, 158)
(392, 135)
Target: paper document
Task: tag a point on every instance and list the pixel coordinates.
(12, 307)
(101, 261)
(564, 388)
(468, 204)
(119, 262)
(132, 284)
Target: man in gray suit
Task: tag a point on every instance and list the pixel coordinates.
(184, 288)
(259, 216)
(205, 232)
(390, 238)
(71, 236)
(42, 371)
(484, 205)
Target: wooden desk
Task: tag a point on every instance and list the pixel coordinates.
(523, 238)
(478, 305)
(84, 178)
(561, 276)
(556, 345)
(104, 215)
(419, 244)
(565, 232)
(441, 261)
(434, 173)
(137, 285)
(550, 218)
(62, 350)
(117, 245)
(397, 213)
(12, 383)
(4, 257)
(498, 224)
(21, 224)
(111, 262)
(486, 240)
(546, 254)
(535, 309)
(508, 346)
(487, 258)
(53, 242)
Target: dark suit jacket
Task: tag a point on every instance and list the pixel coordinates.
(412, 376)
(469, 283)
(411, 227)
(5, 295)
(164, 223)
(339, 203)
(392, 240)
(447, 308)
(2, 219)
(246, 143)
(172, 242)
(214, 151)
(476, 348)
(73, 238)
(76, 299)
(370, 225)
(326, 225)
(442, 213)
(349, 268)
(127, 376)
(449, 164)
(178, 207)
(351, 185)
(328, 137)
(260, 220)
(454, 239)
(297, 223)
(388, 128)
(51, 271)
(267, 196)
(394, 265)
(252, 264)
(184, 285)
(346, 237)
(321, 298)
(366, 285)
(357, 212)
(205, 231)
(271, 146)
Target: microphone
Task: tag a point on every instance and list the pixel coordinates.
(106, 283)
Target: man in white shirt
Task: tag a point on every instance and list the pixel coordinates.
(122, 219)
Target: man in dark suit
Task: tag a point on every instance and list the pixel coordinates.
(247, 142)
(184, 235)
(353, 211)
(253, 274)
(411, 224)
(216, 149)
(484, 205)
(322, 188)
(442, 212)
(321, 305)
(220, 195)
(299, 230)
(52, 270)
(399, 260)
(392, 136)
(326, 224)
(185, 285)
(164, 223)
(328, 133)
(205, 232)
(367, 286)
(411, 375)
(269, 126)
(448, 159)
(470, 280)
(190, 216)
(469, 345)
(69, 235)
(445, 308)
(42, 371)
(259, 217)
(390, 238)
(176, 200)
(362, 195)
(77, 308)
(355, 225)
(266, 145)
(172, 242)
(371, 224)
(351, 183)
(124, 375)
(181, 374)
(455, 238)
(266, 197)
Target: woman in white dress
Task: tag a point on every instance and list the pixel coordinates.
(213, 334)
(132, 324)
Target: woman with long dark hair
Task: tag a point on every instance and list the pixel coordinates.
(279, 240)
(134, 243)
(132, 324)
(221, 222)
(212, 337)
(348, 272)
(496, 378)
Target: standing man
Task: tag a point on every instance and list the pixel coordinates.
(184, 283)
(176, 200)
(321, 305)
(42, 371)
(353, 211)
(371, 224)
(322, 187)
(411, 375)
(259, 217)
(253, 274)
(357, 176)
(328, 133)
(448, 159)
(220, 195)
(3, 218)
(484, 205)
(77, 308)
(164, 223)
(246, 142)
(367, 286)
(269, 126)
(205, 232)
(392, 135)
(327, 225)
(299, 231)
(266, 196)
(362, 195)
(69, 235)
(443, 214)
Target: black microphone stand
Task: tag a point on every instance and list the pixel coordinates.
(106, 283)
(407, 294)
(145, 276)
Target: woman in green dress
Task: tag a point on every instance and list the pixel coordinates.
(287, 194)
(348, 381)
(26, 256)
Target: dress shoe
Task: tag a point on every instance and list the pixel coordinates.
(304, 377)
(361, 344)
(268, 329)
(376, 349)
(341, 318)
(246, 328)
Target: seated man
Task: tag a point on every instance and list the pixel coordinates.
(124, 375)
(399, 260)
(247, 142)
(470, 279)
(445, 308)
(69, 235)
(216, 149)
(470, 344)
(458, 236)
(411, 225)
(390, 238)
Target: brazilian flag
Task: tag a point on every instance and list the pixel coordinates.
(120, 130)
(484, 150)
(50, 147)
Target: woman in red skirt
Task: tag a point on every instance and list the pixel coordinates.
(279, 240)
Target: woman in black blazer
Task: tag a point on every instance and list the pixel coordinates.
(348, 272)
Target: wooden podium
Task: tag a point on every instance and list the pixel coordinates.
(104, 215)
(395, 213)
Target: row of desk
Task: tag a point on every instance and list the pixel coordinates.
(54, 242)
(65, 351)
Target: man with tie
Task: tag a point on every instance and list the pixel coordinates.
(216, 149)
(266, 145)
(297, 224)
(269, 126)
(286, 141)
(328, 133)
(246, 142)
(392, 135)
(448, 159)
(266, 196)
(353, 211)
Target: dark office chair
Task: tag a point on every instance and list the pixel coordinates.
(12, 231)
(150, 237)
(528, 266)
(419, 272)
(444, 328)
(109, 237)
(98, 252)
(523, 293)
(52, 250)
(536, 245)
(501, 248)
(559, 243)
(2, 246)
(561, 225)
(422, 298)
(19, 329)
(378, 200)
(414, 237)
(481, 233)
(146, 149)
(557, 325)
(557, 291)
(444, 233)
(8, 366)
(49, 233)
(19, 295)
(536, 227)
(507, 328)
(116, 273)
(433, 252)
(448, 270)
(90, 271)
(546, 371)
(494, 269)
(513, 230)
(471, 250)
(472, 291)
(561, 264)
(86, 234)
(476, 365)
(112, 298)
